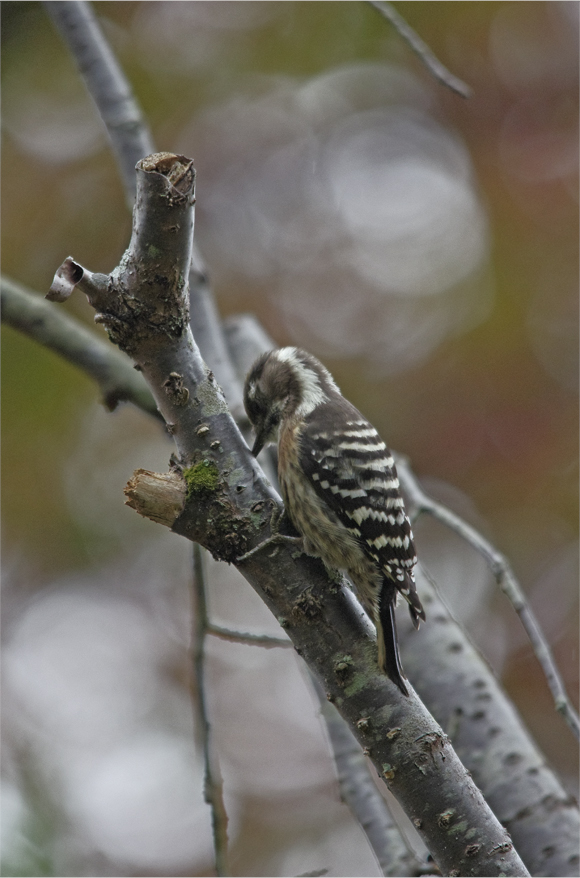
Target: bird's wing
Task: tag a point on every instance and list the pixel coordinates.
(353, 471)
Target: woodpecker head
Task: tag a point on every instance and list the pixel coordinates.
(285, 383)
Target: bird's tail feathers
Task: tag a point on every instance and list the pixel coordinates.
(409, 592)
(389, 660)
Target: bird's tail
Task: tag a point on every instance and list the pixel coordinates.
(389, 660)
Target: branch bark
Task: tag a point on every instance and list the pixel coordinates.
(490, 738)
(359, 791)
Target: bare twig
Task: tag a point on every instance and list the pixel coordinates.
(421, 49)
(264, 640)
(505, 578)
(29, 313)
(107, 85)
(213, 783)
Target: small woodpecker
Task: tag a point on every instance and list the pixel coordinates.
(340, 487)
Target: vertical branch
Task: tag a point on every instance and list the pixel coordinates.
(213, 783)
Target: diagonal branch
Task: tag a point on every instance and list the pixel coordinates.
(29, 313)
(506, 580)
(421, 49)
(361, 794)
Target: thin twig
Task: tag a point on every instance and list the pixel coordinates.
(29, 313)
(431, 62)
(264, 640)
(213, 783)
(506, 580)
(106, 83)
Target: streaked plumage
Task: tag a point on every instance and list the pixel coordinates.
(339, 485)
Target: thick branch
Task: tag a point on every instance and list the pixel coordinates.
(361, 794)
(131, 141)
(489, 736)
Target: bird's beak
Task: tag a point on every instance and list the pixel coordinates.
(259, 443)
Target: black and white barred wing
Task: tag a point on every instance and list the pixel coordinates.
(353, 471)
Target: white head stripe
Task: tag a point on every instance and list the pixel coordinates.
(312, 393)
(292, 357)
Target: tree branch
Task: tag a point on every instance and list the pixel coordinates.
(359, 791)
(421, 49)
(465, 697)
(213, 783)
(263, 640)
(506, 580)
(30, 314)
(128, 131)
(131, 140)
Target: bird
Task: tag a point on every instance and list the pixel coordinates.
(340, 487)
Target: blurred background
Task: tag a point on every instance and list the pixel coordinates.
(426, 248)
